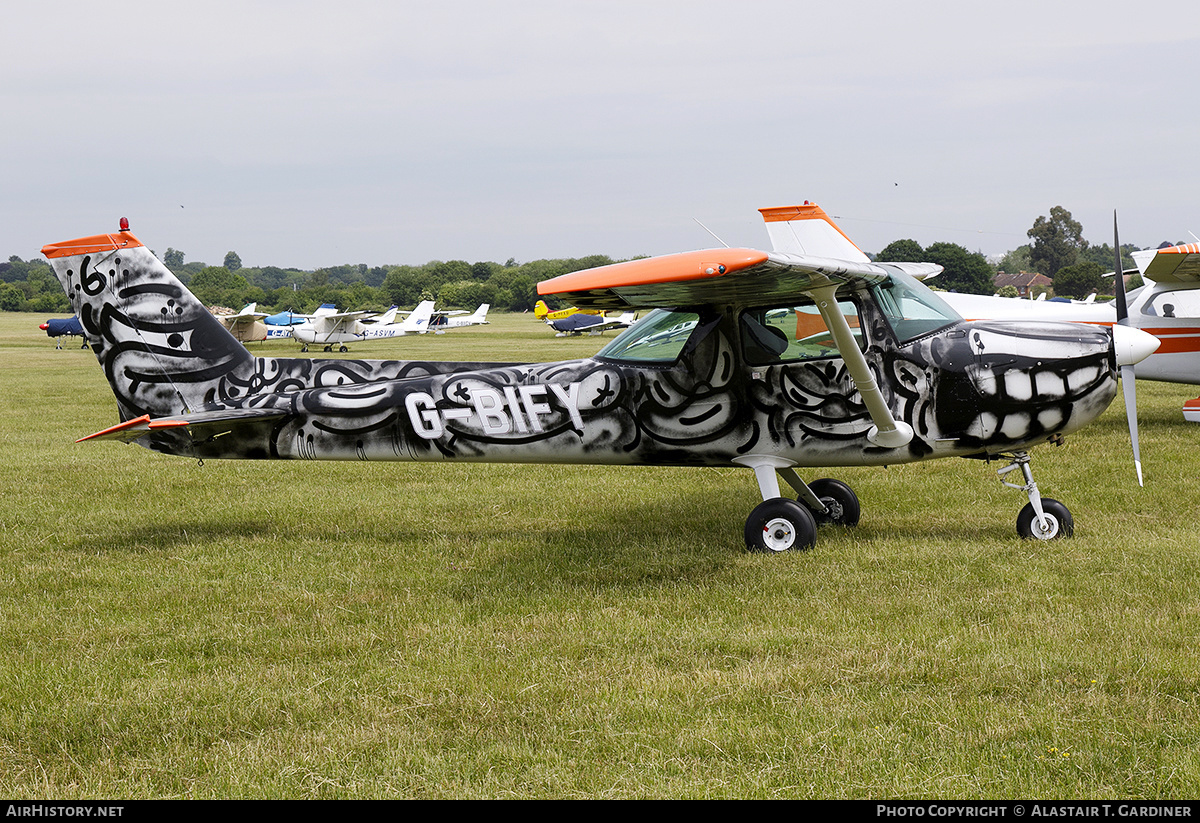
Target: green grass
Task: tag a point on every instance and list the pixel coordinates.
(366, 630)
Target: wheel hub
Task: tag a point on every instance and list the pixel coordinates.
(779, 535)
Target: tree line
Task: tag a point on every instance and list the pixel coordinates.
(1056, 249)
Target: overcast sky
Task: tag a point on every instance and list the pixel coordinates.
(310, 134)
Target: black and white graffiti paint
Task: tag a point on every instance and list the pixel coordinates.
(971, 388)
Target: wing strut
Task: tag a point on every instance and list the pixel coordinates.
(887, 432)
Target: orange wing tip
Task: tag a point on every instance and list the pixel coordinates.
(671, 268)
(120, 427)
(91, 245)
(1186, 248)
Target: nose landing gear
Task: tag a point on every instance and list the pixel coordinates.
(1042, 518)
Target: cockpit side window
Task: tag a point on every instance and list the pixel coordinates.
(785, 334)
(1180, 303)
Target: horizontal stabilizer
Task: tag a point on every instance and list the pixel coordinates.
(139, 427)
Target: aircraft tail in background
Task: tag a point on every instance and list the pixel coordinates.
(808, 230)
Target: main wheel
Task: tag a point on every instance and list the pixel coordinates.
(840, 499)
(1058, 521)
(780, 525)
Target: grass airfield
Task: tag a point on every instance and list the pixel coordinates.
(336, 630)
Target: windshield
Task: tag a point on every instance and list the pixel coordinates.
(659, 337)
(912, 308)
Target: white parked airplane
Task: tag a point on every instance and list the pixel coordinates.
(443, 320)
(329, 327)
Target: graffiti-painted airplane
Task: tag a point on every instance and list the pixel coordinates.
(580, 323)
(329, 327)
(895, 377)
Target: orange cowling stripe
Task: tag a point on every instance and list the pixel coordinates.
(671, 268)
(91, 245)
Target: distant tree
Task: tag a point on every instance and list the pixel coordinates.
(232, 261)
(217, 286)
(173, 259)
(1009, 291)
(901, 251)
(405, 285)
(1079, 280)
(1057, 241)
(1016, 261)
(962, 270)
(11, 297)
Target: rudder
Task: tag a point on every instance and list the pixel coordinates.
(162, 351)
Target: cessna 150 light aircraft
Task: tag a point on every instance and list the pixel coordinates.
(894, 376)
(329, 327)
(443, 320)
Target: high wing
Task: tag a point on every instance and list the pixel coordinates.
(809, 253)
(716, 276)
(339, 321)
(1176, 264)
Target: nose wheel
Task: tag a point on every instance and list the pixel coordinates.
(1042, 518)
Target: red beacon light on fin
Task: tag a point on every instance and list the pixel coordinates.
(124, 224)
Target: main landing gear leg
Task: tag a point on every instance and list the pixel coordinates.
(782, 524)
(1042, 518)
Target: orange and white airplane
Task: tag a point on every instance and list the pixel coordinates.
(1167, 306)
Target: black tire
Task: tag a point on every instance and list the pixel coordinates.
(780, 525)
(841, 500)
(343, 349)
(1061, 523)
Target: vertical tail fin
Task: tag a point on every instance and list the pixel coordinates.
(418, 320)
(162, 351)
(480, 315)
(808, 230)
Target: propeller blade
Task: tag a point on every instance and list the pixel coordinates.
(1128, 386)
(1128, 380)
(1122, 307)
